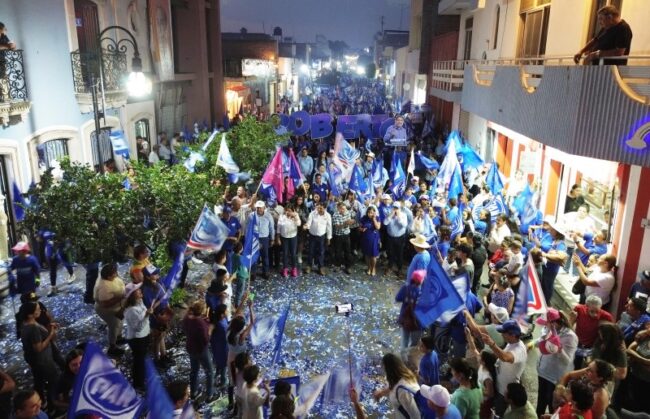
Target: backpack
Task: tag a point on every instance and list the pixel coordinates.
(420, 401)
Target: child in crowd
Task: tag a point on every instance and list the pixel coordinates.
(252, 399)
(515, 257)
(428, 372)
(240, 274)
(500, 294)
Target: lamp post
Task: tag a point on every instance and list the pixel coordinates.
(137, 83)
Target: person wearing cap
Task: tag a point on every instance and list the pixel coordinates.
(396, 224)
(555, 257)
(306, 163)
(586, 318)
(108, 295)
(498, 316)
(408, 295)
(319, 225)
(422, 256)
(266, 230)
(641, 288)
(138, 331)
(26, 267)
(517, 399)
(439, 400)
(368, 164)
(512, 360)
(557, 346)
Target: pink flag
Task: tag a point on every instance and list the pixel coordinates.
(274, 177)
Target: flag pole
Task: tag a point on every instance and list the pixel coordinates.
(347, 315)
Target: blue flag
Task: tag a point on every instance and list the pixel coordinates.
(494, 206)
(358, 184)
(333, 186)
(210, 232)
(171, 280)
(399, 181)
(471, 159)
(456, 138)
(278, 339)
(19, 202)
(422, 162)
(158, 402)
(457, 223)
(101, 389)
(439, 300)
(456, 184)
(525, 206)
(336, 388)
(224, 158)
(251, 250)
(379, 174)
(494, 180)
(264, 329)
(226, 122)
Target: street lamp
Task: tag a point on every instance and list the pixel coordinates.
(137, 83)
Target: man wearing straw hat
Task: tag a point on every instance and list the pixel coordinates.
(422, 256)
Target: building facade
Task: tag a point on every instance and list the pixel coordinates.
(48, 110)
(518, 97)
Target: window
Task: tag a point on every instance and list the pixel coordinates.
(593, 25)
(102, 149)
(495, 36)
(469, 25)
(534, 32)
(142, 129)
(50, 151)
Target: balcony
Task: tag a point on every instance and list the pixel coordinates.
(14, 103)
(599, 111)
(113, 76)
(447, 80)
(456, 7)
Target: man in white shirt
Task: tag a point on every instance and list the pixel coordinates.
(319, 225)
(511, 360)
(499, 232)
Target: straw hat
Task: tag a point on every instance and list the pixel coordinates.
(420, 241)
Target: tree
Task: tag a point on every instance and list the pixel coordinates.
(101, 217)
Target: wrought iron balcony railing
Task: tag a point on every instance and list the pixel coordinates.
(85, 69)
(13, 87)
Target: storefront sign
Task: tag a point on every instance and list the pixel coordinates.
(350, 126)
(528, 162)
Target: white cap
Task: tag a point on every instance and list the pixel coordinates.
(260, 204)
(499, 313)
(130, 289)
(370, 154)
(386, 196)
(438, 395)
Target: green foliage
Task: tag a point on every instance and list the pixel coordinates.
(101, 218)
(178, 297)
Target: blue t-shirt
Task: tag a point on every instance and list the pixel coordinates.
(420, 261)
(559, 246)
(594, 249)
(443, 248)
(320, 190)
(234, 226)
(452, 413)
(429, 369)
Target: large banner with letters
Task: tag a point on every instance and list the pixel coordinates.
(350, 126)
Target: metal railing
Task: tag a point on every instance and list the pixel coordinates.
(13, 87)
(86, 68)
(448, 75)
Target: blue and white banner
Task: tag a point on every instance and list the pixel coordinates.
(251, 250)
(439, 300)
(495, 206)
(210, 232)
(119, 143)
(264, 330)
(278, 339)
(210, 139)
(173, 277)
(101, 389)
(158, 402)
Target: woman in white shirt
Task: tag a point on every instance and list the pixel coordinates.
(288, 224)
(108, 294)
(601, 281)
(402, 386)
(136, 316)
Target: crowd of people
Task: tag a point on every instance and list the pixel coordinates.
(591, 365)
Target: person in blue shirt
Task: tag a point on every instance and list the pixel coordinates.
(636, 310)
(555, 258)
(26, 267)
(408, 295)
(219, 342)
(429, 370)
(234, 233)
(306, 163)
(320, 188)
(422, 256)
(27, 405)
(396, 133)
(596, 245)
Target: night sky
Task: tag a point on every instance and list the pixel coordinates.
(352, 21)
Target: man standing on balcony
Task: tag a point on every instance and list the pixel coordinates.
(5, 44)
(613, 39)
